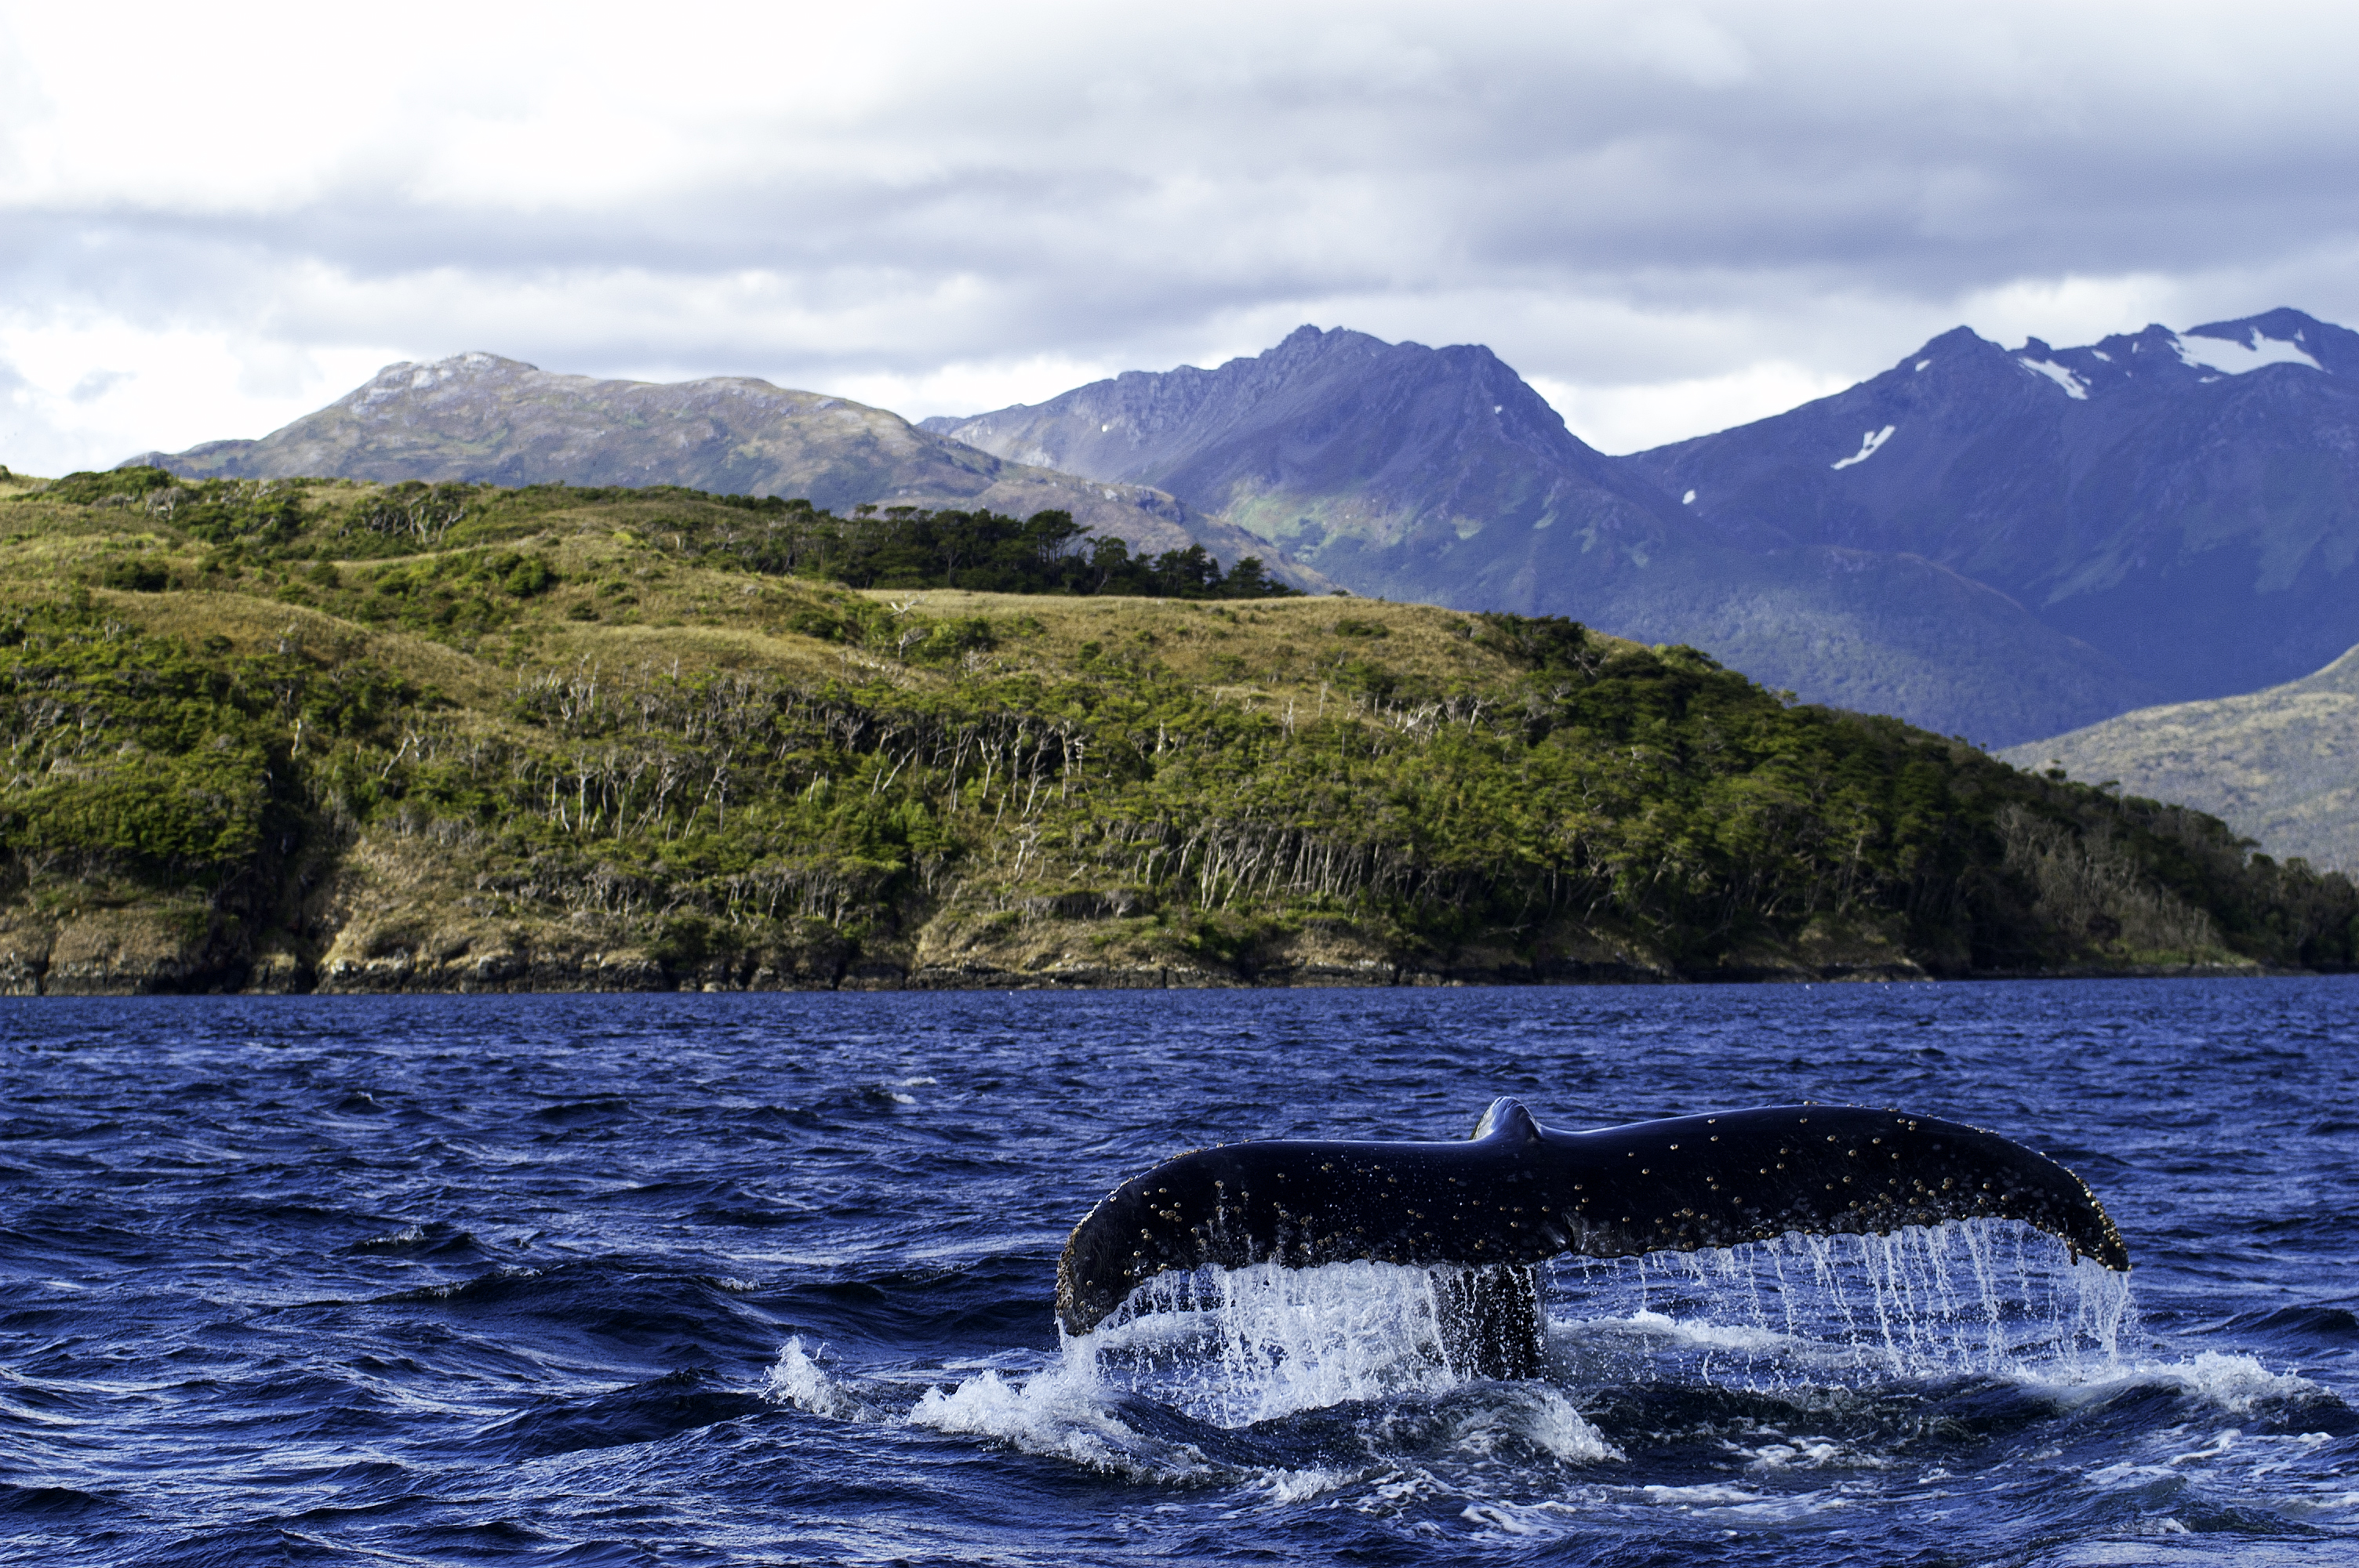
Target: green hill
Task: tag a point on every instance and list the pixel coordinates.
(2280, 766)
(274, 735)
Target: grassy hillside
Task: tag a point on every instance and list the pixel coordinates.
(2280, 766)
(335, 735)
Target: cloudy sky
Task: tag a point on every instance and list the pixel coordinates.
(1671, 218)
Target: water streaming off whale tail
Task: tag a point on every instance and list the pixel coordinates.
(1296, 1379)
(1974, 1297)
(1762, 1386)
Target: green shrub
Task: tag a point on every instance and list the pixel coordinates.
(87, 487)
(526, 577)
(137, 574)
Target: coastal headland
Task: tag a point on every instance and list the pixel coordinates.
(337, 736)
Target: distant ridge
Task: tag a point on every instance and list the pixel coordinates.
(2000, 542)
(1440, 474)
(2004, 543)
(1341, 444)
(2280, 766)
(481, 418)
(2186, 501)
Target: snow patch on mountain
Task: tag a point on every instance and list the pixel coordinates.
(2235, 358)
(1869, 441)
(2073, 385)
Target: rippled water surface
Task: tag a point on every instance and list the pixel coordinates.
(767, 1279)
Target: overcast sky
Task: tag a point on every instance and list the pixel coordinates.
(1671, 219)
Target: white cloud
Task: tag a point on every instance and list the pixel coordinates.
(1689, 47)
(97, 385)
(57, 414)
(1666, 216)
(1631, 418)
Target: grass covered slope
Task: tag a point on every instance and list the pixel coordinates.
(2281, 766)
(339, 736)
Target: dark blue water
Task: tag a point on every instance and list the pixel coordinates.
(767, 1279)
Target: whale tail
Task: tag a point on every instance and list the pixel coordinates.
(1487, 1209)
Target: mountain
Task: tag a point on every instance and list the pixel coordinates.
(484, 419)
(2280, 766)
(1999, 543)
(1438, 474)
(1367, 453)
(2002, 544)
(2187, 503)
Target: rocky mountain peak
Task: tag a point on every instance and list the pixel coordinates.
(2282, 336)
(407, 375)
(2178, 499)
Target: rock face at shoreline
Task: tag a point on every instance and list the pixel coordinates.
(1042, 956)
(124, 954)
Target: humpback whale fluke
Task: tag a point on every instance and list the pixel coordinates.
(1516, 1193)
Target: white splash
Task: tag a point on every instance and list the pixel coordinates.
(1235, 1347)
(1689, 499)
(798, 1380)
(1529, 1415)
(1231, 1348)
(1061, 1412)
(2233, 1384)
(2235, 358)
(1868, 443)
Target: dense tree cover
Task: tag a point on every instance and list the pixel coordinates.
(1047, 553)
(170, 760)
(899, 547)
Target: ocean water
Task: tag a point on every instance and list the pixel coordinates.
(767, 1279)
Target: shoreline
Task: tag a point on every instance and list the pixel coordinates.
(646, 978)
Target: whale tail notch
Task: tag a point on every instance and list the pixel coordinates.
(1486, 1209)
